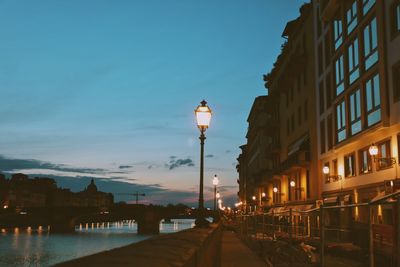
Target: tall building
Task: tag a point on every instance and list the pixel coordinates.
(279, 163)
(358, 94)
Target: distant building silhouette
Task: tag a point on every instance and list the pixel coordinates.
(21, 192)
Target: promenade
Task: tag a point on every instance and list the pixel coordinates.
(235, 254)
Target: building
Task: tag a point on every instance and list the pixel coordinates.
(278, 167)
(358, 93)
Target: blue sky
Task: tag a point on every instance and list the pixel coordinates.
(107, 89)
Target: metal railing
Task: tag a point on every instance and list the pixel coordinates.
(335, 226)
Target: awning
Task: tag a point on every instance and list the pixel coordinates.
(330, 200)
(294, 147)
(383, 197)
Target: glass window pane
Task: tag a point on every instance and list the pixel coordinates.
(356, 127)
(352, 109)
(367, 4)
(374, 117)
(369, 95)
(367, 47)
(398, 17)
(371, 60)
(377, 98)
(358, 104)
(374, 34)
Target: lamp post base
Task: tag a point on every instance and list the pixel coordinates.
(201, 223)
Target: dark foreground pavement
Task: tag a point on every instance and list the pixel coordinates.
(235, 254)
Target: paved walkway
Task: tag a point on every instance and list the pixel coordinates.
(236, 254)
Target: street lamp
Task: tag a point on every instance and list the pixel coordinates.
(215, 183)
(203, 117)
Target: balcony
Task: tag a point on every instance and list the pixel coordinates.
(299, 159)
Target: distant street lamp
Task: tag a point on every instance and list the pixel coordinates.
(203, 117)
(215, 183)
(218, 195)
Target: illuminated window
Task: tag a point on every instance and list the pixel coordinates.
(384, 155)
(370, 44)
(355, 112)
(367, 4)
(341, 122)
(373, 100)
(339, 75)
(349, 165)
(354, 72)
(365, 161)
(351, 17)
(338, 33)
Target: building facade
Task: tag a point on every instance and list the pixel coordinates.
(357, 85)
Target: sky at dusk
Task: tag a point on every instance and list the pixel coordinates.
(107, 89)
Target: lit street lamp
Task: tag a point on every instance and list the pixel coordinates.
(215, 183)
(203, 117)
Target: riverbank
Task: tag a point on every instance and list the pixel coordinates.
(192, 247)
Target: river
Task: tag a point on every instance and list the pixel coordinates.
(39, 247)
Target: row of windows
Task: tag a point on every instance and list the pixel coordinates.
(298, 84)
(370, 57)
(360, 103)
(302, 115)
(350, 19)
(383, 160)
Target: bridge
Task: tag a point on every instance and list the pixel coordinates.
(64, 219)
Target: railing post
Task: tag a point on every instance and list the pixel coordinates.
(322, 235)
(398, 232)
(371, 237)
(290, 226)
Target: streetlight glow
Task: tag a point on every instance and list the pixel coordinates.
(215, 180)
(325, 170)
(203, 115)
(275, 189)
(292, 183)
(373, 150)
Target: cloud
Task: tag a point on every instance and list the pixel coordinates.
(125, 166)
(9, 164)
(209, 156)
(176, 163)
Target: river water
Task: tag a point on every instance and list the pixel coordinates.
(23, 247)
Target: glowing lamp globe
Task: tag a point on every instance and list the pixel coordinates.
(203, 115)
(215, 180)
(292, 183)
(325, 170)
(373, 150)
(275, 189)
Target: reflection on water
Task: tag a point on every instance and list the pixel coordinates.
(38, 247)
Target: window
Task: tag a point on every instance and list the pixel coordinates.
(398, 17)
(322, 129)
(384, 155)
(341, 122)
(349, 165)
(339, 75)
(354, 72)
(370, 44)
(334, 167)
(355, 112)
(330, 132)
(396, 82)
(327, 176)
(305, 110)
(367, 4)
(351, 17)
(321, 98)
(338, 33)
(373, 100)
(365, 161)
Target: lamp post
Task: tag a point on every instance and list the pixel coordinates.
(215, 183)
(203, 117)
